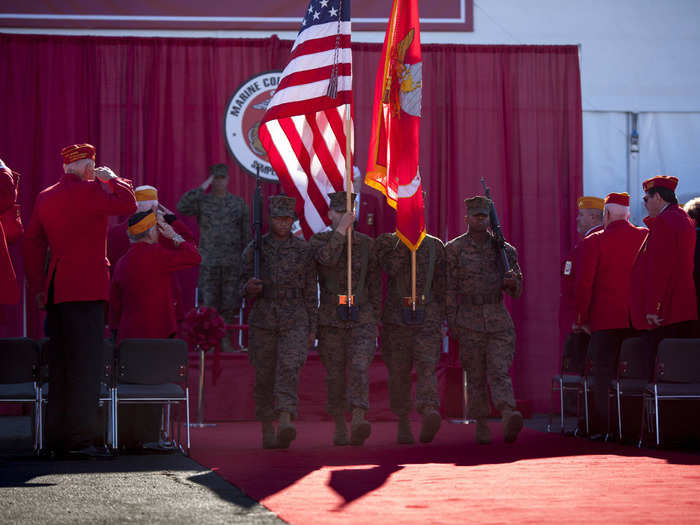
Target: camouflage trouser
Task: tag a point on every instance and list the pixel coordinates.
(403, 349)
(218, 288)
(346, 353)
(277, 356)
(487, 356)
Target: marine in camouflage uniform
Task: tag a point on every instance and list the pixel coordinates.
(408, 346)
(224, 231)
(347, 347)
(476, 280)
(282, 321)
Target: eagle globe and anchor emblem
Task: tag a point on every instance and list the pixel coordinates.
(244, 113)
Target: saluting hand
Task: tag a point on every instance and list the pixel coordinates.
(254, 286)
(104, 174)
(207, 182)
(165, 211)
(654, 320)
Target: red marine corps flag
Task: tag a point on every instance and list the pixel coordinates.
(303, 130)
(392, 167)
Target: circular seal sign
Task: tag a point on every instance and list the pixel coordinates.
(244, 112)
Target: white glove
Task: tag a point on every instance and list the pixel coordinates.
(104, 174)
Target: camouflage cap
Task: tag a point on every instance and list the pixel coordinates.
(218, 170)
(339, 200)
(478, 204)
(281, 206)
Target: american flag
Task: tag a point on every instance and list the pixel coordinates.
(303, 130)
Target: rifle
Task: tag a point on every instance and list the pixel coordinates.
(257, 225)
(496, 226)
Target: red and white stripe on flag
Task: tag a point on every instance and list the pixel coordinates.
(392, 167)
(303, 129)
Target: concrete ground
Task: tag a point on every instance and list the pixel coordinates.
(154, 488)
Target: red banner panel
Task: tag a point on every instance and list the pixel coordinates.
(444, 15)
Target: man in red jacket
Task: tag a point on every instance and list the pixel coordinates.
(9, 183)
(70, 219)
(663, 300)
(602, 297)
(588, 220)
(141, 300)
(118, 241)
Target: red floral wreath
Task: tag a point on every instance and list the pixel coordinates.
(203, 327)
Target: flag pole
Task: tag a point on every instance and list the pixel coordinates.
(348, 198)
(413, 280)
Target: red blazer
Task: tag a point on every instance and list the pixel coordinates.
(662, 277)
(9, 182)
(567, 298)
(141, 299)
(603, 276)
(118, 244)
(70, 219)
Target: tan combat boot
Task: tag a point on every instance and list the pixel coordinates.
(430, 424)
(340, 436)
(512, 424)
(286, 433)
(404, 436)
(269, 440)
(360, 429)
(483, 433)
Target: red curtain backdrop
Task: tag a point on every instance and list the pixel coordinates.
(154, 109)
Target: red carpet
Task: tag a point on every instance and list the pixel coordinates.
(541, 478)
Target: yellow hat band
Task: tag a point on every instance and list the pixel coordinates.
(590, 203)
(146, 195)
(144, 224)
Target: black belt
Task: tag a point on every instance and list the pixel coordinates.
(480, 299)
(271, 292)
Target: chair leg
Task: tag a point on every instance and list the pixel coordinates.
(37, 420)
(585, 403)
(187, 417)
(115, 420)
(619, 411)
(656, 409)
(561, 404)
(549, 414)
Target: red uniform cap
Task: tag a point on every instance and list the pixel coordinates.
(77, 152)
(623, 199)
(660, 181)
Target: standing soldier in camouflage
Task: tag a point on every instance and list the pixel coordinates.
(411, 342)
(347, 347)
(282, 321)
(476, 279)
(224, 231)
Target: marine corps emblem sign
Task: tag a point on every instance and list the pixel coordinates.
(244, 111)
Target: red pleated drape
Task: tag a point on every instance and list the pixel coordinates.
(154, 108)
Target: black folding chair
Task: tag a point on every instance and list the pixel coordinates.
(19, 378)
(633, 373)
(152, 371)
(676, 377)
(106, 383)
(570, 378)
